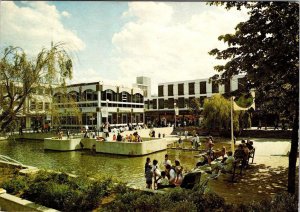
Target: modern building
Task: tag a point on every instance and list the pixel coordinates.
(96, 103)
(144, 83)
(179, 95)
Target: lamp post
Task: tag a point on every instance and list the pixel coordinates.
(175, 114)
(107, 101)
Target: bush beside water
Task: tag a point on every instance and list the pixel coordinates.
(62, 192)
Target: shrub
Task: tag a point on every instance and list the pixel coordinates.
(15, 185)
(60, 191)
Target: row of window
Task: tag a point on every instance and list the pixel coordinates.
(90, 95)
(202, 86)
(191, 87)
(171, 103)
(102, 105)
(39, 106)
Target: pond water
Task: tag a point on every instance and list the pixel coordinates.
(127, 169)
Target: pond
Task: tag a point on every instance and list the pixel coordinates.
(127, 169)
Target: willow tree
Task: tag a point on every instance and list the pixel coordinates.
(216, 113)
(265, 49)
(21, 75)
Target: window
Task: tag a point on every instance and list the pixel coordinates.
(170, 90)
(161, 104)
(203, 87)
(154, 101)
(40, 106)
(227, 86)
(32, 105)
(170, 103)
(202, 98)
(180, 89)
(215, 87)
(191, 99)
(180, 102)
(166, 103)
(47, 105)
(191, 88)
(160, 90)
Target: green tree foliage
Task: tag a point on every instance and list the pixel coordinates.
(216, 113)
(266, 49)
(21, 75)
(65, 106)
(195, 107)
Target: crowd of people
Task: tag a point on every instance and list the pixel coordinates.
(228, 157)
(166, 175)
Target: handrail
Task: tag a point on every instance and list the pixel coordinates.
(8, 159)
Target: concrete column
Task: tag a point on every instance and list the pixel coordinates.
(99, 116)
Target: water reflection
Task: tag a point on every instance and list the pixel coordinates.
(128, 169)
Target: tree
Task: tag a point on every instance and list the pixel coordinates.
(216, 113)
(195, 108)
(19, 76)
(65, 107)
(266, 49)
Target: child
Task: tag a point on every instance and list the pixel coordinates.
(162, 181)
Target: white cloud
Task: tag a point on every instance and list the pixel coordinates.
(33, 25)
(158, 44)
(91, 75)
(66, 14)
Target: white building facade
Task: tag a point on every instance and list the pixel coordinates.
(179, 94)
(99, 103)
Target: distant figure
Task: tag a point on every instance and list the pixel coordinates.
(249, 144)
(114, 137)
(119, 137)
(93, 149)
(159, 135)
(68, 134)
(167, 161)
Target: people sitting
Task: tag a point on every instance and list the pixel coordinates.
(171, 175)
(178, 171)
(119, 137)
(250, 145)
(239, 154)
(162, 181)
(226, 166)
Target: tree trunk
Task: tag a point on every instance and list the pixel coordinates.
(293, 156)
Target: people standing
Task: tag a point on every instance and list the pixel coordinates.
(148, 173)
(156, 172)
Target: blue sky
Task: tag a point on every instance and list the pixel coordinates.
(117, 41)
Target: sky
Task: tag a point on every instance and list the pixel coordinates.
(115, 42)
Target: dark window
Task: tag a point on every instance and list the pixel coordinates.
(154, 102)
(170, 90)
(170, 103)
(180, 89)
(215, 87)
(227, 86)
(191, 99)
(161, 103)
(180, 102)
(166, 103)
(191, 88)
(202, 98)
(160, 90)
(241, 83)
(203, 87)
